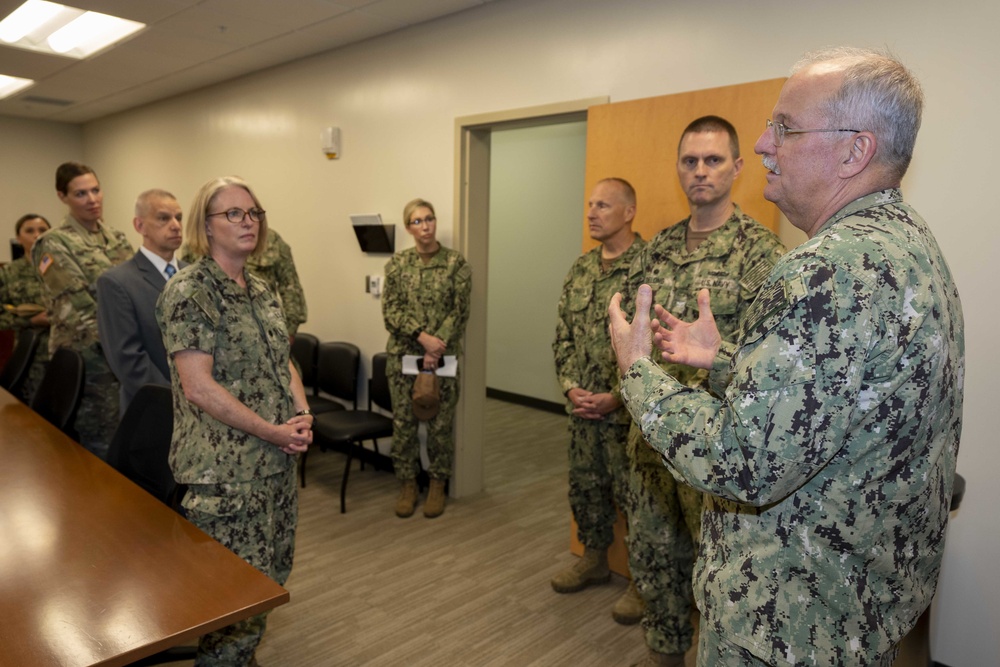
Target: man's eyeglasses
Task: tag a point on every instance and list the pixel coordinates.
(430, 220)
(236, 215)
(780, 130)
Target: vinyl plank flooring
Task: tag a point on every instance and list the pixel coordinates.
(468, 588)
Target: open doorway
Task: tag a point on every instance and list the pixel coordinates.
(472, 207)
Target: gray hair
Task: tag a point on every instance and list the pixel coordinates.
(878, 95)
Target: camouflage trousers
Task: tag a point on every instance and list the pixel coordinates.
(38, 366)
(256, 521)
(597, 478)
(714, 650)
(664, 524)
(97, 418)
(440, 430)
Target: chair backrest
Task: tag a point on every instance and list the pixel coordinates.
(337, 370)
(141, 444)
(58, 395)
(305, 348)
(378, 385)
(17, 368)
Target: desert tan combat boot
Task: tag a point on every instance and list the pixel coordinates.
(407, 500)
(630, 606)
(592, 568)
(435, 499)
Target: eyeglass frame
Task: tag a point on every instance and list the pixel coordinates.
(779, 130)
(255, 214)
(429, 219)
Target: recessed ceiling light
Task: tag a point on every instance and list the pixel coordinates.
(38, 25)
(11, 84)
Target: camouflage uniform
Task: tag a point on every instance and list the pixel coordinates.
(20, 285)
(584, 359)
(70, 258)
(664, 516)
(431, 297)
(277, 268)
(832, 450)
(241, 488)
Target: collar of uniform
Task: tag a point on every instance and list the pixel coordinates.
(716, 245)
(98, 238)
(255, 286)
(873, 200)
(439, 259)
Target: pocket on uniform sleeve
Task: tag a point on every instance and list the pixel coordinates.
(775, 350)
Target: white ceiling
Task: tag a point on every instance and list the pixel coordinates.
(189, 44)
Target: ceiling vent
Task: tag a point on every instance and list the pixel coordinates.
(35, 99)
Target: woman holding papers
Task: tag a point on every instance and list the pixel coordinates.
(426, 307)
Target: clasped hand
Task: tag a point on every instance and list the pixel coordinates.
(690, 343)
(588, 405)
(295, 434)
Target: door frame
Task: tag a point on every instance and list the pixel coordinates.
(471, 234)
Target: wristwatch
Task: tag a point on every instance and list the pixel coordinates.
(307, 411)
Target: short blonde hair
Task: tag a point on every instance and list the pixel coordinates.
(412, 206)
(196, 228)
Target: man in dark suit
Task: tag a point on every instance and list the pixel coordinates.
(127, 294)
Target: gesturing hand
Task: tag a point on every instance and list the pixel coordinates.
(630, 341)
(690, 343)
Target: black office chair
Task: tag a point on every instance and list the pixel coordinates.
(305, 351)
(18, 367)
(141, 444)
(347, 431)
(337, 367)
(58, 395)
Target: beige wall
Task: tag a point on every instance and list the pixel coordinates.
(30, 150)
(396, 98)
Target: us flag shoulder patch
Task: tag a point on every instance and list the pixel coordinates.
(46, 262)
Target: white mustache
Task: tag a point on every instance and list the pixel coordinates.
(770, 164)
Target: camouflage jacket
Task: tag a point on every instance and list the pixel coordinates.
(20, 285)
(70, 259)
(582, 347)
(276, 267)
(834, 443)
(201, 308)
(732, 263)
(431, 297)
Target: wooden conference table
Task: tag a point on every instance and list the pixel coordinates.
(95, 571)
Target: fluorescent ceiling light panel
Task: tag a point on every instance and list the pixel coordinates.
(28, 17)
(11, 84)
(38, 25)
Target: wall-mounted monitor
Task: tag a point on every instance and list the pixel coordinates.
(373, 235)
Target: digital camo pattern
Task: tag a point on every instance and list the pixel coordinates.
(256, 520)
(20, 285)
(201, 308)
(584, 359)
(440, 429)
(69, 259)
(276, 266)
(432, 297)
(664, 514)
(582, 347)
(834, 444)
